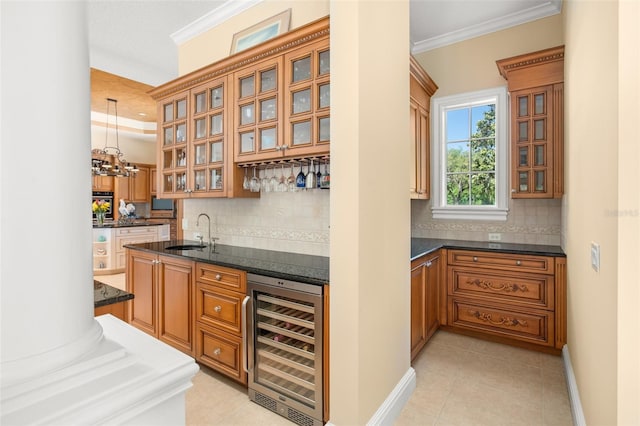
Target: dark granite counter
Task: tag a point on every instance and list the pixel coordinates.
(125, 225)
(422, 246)
(290, 266)
(104, 294)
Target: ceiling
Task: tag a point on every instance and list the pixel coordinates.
(132, 42)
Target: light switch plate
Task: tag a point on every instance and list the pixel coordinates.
(595, 256)
(185, 223)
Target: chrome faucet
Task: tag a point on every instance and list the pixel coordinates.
(211, 242)
(198, 224)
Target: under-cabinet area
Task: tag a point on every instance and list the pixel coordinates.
(509, 293)
(256, 316)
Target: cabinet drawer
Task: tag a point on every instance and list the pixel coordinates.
(219, 307)
(530, 290)
(219, 276)
(525, 325)
(502, 261)
(137, 230)
(221, 351)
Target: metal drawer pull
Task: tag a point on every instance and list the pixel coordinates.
(218, 308)
(218, 277)
(518, 263)
(244, 335)
(217, 351)
(475, 259)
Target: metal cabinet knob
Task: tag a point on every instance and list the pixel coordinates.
(518, 263)
(218, 277)
(475, 259)
(218, 309)
(217, 351)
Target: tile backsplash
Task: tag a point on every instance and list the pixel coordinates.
(295, 222)
(528, 221)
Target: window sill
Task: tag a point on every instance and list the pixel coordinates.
(470, 214)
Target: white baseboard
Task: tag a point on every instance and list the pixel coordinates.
(390, 409)
(572, 387)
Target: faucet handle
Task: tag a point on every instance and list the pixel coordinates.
(200, 238)
(213, 241)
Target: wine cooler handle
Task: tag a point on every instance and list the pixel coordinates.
(244, 335)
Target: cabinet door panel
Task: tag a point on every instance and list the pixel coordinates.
(176, 303)
(418, 310)
(141, 273)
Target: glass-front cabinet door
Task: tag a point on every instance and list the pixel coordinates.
(258, 111)
(208, 140)
(174, 150)
(308, 99)
(532, 115)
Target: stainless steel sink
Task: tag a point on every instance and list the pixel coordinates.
(185, 247)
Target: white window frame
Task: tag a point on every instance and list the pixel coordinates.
(440, 105)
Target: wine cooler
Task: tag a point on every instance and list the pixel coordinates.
(284, 348)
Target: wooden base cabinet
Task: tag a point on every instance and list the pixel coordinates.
(518, 299)
(164, 297)
(425, 285)
(221, 296)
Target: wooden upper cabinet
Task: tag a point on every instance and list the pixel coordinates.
(209, 139)
(307, 94)
(536, 85)
(257, 111)
(269, 102)
(173, 149)
(421, 88)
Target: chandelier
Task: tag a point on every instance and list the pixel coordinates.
(110, 161)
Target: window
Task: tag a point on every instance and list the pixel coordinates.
(470, 156)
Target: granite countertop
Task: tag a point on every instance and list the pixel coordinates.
(104, 294)
(126, 225)
(422, 246)
(290, 266)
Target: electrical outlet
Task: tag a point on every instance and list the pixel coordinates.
(495, 236)
(185, 223)
(595, 256)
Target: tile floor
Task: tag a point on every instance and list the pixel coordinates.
(459, 381)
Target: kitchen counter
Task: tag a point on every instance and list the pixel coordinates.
(104, 294)
(422, 246)
(290, 266)
(125, 225)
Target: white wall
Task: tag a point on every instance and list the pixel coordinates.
(602, 206)
(137, 148)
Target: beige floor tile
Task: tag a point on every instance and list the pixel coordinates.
(459, 381)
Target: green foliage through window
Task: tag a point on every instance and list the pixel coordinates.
(471, 155)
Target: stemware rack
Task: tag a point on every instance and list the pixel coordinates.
(297, 161)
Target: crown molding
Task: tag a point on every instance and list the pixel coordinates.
(212, 19)
(549, 8)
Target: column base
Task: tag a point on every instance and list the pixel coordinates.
(129, 378)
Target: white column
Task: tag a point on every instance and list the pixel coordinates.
(59, 365)
(45, 227)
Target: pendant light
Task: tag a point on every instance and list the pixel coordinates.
(101, 158)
